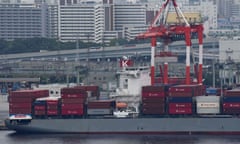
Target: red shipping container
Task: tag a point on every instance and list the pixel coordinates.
(153, 111)
(39, 112)
(20, 105)
(19, 99)
(94, 90)
(88, 88)
(72, 112)
(52, 112)
(153, 94)
(30, 93)
(180, 94)
(38, 107)
(180, 105)
(180, 111)
(19, 111)
(73, 100)
(153, 89)
(195, 90)
(72, 106)
(181, 88)
(231, 105)
(231, 111)
(51, 107)
(154, 105)
(234, 92)
(80, 95)
(153, 99)
(73, 90)
(52, 102)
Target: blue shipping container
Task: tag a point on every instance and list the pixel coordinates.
(231, 99)
(211, 91)
(180, 99)
(39, 102)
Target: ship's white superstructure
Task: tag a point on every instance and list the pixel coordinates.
(130, 82)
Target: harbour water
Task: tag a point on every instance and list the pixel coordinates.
(9, 137)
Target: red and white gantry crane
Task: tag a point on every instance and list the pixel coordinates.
(159, 29)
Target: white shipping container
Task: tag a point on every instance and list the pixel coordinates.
(208, 110)
(208, 104)
(207, 99)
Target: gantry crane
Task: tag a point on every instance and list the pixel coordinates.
(159, 29)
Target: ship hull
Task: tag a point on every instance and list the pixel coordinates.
(131, 126)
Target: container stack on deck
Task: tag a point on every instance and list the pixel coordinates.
(93, 92)
(39, 108)
(180, 99)
(101, 107)
(231, 102)
(52, 107)
(73, 101)
(153, 100)
(20, 102)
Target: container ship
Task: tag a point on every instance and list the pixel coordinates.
(140, 105)
(138, 108)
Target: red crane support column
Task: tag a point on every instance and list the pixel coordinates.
(188, 45)
(153, 44)
(200, 41)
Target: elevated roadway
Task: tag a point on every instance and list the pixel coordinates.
(111, 52)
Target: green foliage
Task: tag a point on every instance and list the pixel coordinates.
(115, 42)
(37, 44)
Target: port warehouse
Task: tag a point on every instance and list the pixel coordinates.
(157, 101)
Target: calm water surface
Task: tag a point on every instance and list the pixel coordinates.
(8, 137)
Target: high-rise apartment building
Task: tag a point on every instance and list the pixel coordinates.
(18, 20)
(53, 21)
(77, 22)
(128, 15)
(99, 22)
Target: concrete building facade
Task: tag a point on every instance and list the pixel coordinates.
(19, 20)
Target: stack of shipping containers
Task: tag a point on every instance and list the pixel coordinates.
(20, 102)
(52, 107)
(39, 109)
(180, 99)
(153, 100)
(93, 92)
(231, 101)
(101, 107)
(47, 106)
(73, 101)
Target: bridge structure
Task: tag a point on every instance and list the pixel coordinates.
(114, 52)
